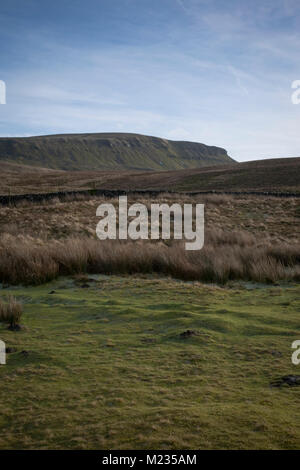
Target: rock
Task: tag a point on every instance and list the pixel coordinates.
(276, 353)
(291, 380)
(15, 327)
(10, 350)
(24, 353)
(188, 334)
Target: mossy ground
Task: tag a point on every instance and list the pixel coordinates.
(107, 369)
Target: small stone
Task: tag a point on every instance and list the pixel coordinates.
(15, 327)
(291, 380)
(24, 353)
(10, 350)
(188, 334)
(276, 353)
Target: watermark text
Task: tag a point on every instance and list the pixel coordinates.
(296, 354)
(296, 94)
(135, 222)
(2, 352)
(2, 92)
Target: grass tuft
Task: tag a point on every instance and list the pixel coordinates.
(225, 257)
(11, 311)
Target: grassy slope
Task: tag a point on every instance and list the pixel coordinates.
(271, 175)
(94, 379)
(111, 151)
(281, 175)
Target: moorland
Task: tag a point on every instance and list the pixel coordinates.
(141, 344)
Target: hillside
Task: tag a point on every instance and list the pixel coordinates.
(274, 175)
(111, 151)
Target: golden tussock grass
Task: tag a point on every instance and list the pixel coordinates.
(226, 256)
(11, 311)
(247, 238)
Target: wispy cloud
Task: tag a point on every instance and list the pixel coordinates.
(182, 5)
(209, 71)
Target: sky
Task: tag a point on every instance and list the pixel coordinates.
(213, 71)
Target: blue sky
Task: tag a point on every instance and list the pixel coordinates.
(212, 71)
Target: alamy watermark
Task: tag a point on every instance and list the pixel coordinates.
(296, 94)
(296, 354)
(136, 223)
(2, 352)
(2, 92)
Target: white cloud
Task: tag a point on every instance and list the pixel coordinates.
(179, 133)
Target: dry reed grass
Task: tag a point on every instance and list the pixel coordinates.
(11, 312)
(38, 242)
(226, 256)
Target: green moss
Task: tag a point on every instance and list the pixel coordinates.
(107, 369)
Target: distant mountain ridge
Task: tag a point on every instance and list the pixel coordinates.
(110, 151)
